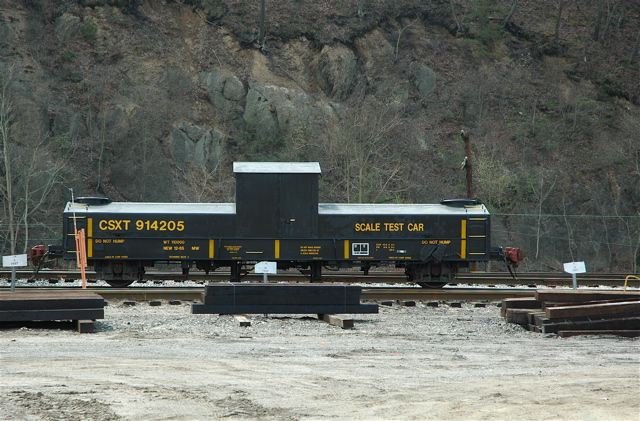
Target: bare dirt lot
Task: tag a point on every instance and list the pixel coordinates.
(406, 363)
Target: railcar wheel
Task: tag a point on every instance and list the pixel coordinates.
(429, 275)
(119, 274)
(119, 283)
(432, 285)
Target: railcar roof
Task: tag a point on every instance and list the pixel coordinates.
(149, 207)
(277, 167)
(323, 208)
(401, 209)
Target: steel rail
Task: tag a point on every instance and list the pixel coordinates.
(475, 278)
(446, 294)
(368, 293)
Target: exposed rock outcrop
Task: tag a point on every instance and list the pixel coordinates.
(336, 71)
(203, 146)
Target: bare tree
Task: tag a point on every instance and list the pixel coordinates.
(27, 177)
(455, 18)
(6, 188)
(541, 196)
(623, 11)
(97, 113)
(571, 227)
(360, 9)
(261, 34)
(101, 153)
(40, 178)
(514, 5)
(400, 31)
(604, 16)
(362, 161)
(562, 4)
(611, 10)
(492, 176)
(201, 185)
(598, 22)
(634, 51)
(631, 228)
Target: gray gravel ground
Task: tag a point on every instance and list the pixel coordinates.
(406, 363)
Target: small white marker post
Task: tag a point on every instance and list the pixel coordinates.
(14, 261)
(574, 268)
(266, 268)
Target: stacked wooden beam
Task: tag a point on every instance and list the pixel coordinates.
(577, 312)
(264, 298)
(81, 306)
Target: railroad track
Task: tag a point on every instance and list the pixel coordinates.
(476, 278)
(368, 293)
(559, 279)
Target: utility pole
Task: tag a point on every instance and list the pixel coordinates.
(466, 164)
(468, 167)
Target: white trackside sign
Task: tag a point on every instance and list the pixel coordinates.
(575, 267)
(17, 260)
(266, 267)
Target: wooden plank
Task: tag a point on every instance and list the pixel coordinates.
(242, 320)
(49, 300)
(545, 320)
(13, 296)
(21, 295)
(270, 289)
(531, 316)
(517, 315)
(59, 314)
(540, 319)
(198, 308)
(623, 323)
(546, 305)
(51, 303)
(47, 293)
(85, 326)
(281, 294)
(593, 309)
(337, 320)
(625, 333)
(520, 302)
(250, 299)
(572, 295)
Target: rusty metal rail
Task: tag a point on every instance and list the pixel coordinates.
(476, 278)
(446, 294)
(542, 278)
(368, 293)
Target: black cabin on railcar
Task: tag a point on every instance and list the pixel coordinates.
(277, 217)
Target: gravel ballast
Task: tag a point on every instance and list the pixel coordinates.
(161, 362)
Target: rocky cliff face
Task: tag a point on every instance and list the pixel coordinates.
(164, 79)
(154, 102)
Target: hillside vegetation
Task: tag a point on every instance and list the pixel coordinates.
(153, 101)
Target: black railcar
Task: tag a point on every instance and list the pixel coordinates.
(277, 217)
